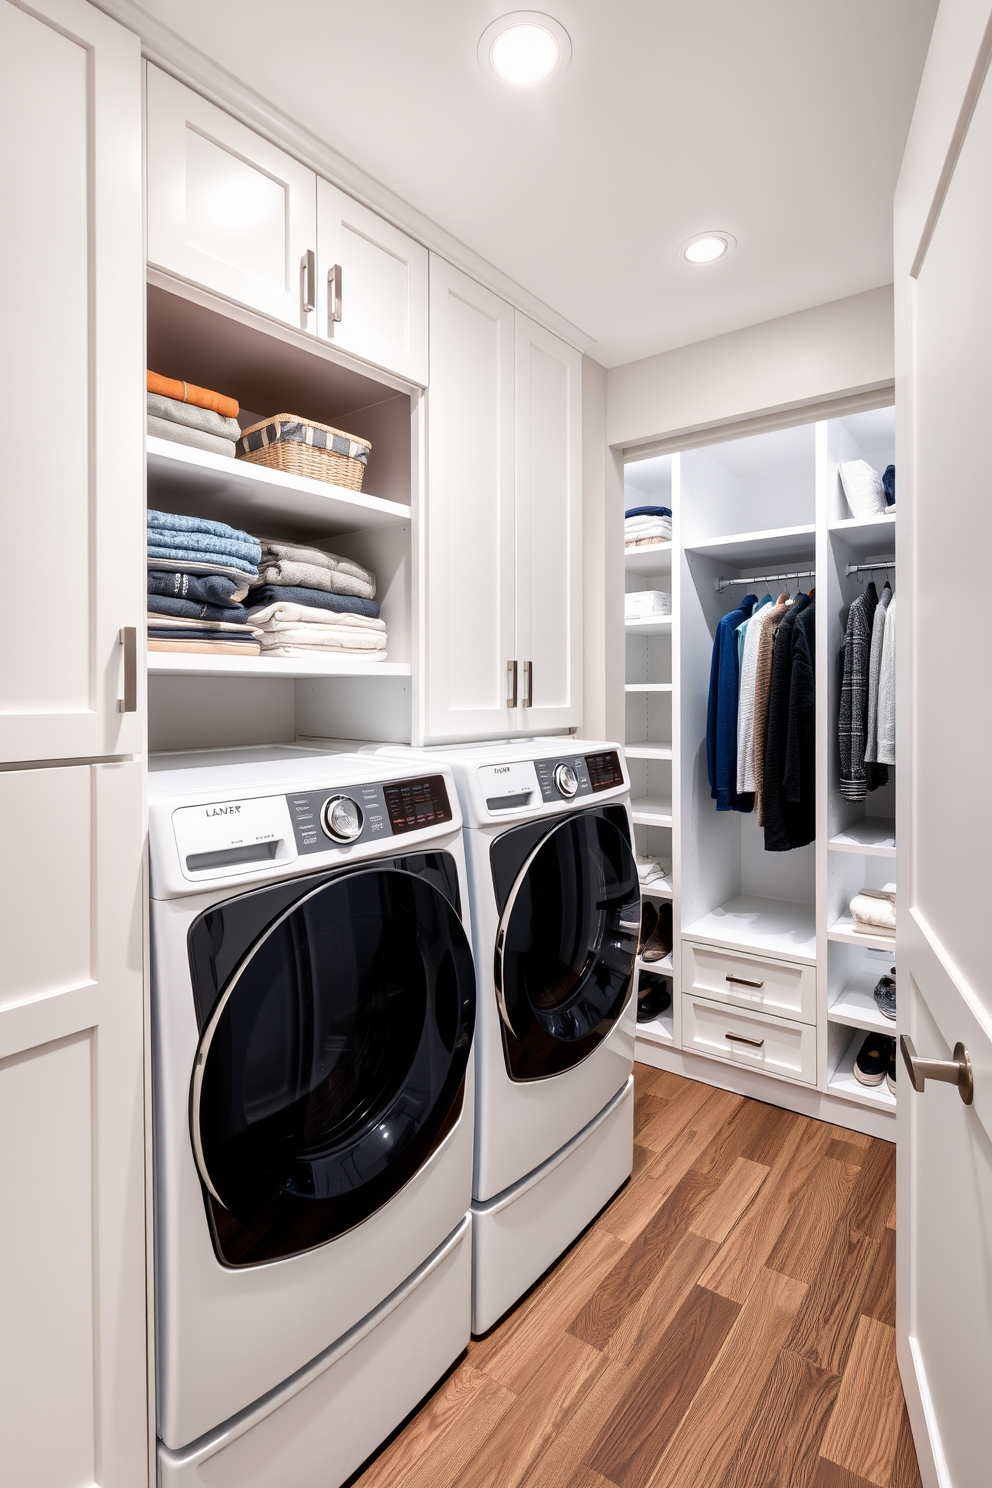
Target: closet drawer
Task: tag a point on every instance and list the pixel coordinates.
(780, 987)
(773, 1046)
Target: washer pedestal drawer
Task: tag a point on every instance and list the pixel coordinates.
(773, 1046)
(763, 983)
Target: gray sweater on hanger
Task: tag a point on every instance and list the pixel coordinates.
(856, 778)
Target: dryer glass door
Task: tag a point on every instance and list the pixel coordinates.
(566, 945)
(333, 1064)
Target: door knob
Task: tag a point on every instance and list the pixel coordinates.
(956, 1071)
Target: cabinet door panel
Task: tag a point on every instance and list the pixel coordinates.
(382, 279)
(225, 208)
(469, 525)
(72, 307)
(549, 524)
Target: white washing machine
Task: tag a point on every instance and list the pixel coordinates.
(313, 998)
(555, 909)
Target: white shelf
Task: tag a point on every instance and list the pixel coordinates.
(776, 927)
(856, 1007)
(843, 930)
(657, 891)
(653, 558)
(193, 664)
(663, 967)
(658, 1030)
(654, 625)
(867, 535)
(248, 496)
(651, 811)
(873, 836)
(648, 687)
(648, 751)
(844, 1082)
(749, 549)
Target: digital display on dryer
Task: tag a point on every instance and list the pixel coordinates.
(604, 770)
(413, 804)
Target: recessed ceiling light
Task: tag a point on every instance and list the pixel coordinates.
(707, 247)
(525, 48)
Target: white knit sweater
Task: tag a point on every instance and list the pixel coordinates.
(886, 754)
(745, 701)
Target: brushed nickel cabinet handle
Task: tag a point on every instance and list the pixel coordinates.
(129, 640)
(511, 684)
(743, 981)
(956, 1071)
(308, 281)
(738, 1038)
(528, 701)
(334, 312)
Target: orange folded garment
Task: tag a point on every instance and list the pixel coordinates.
(185, 392)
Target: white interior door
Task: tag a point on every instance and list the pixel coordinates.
(372, 286)
(548, 527)
(469, 521)
(226, 209)
(71, 380)
(944, 295)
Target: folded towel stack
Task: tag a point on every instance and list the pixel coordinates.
(198, 575)
(654, 873)
(643, 604)
(874, 912)
(306, 600)
(192, 415)
(647, 524)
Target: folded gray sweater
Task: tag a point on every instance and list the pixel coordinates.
(162, 428)
(192, 417)
(311, 568)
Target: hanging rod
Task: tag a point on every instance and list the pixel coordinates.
(805, 573)
(856, 568)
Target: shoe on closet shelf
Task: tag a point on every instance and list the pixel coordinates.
(890, 1073)
(658, 944)
(649, 921)
(873, 1058)
(654, 996)
(885, 995)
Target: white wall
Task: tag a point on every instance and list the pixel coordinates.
(827, 353)
(603, 574)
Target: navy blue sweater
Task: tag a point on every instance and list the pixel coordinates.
(721, 711)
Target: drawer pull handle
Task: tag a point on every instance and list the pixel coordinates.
(743, 981)
(738, 1038)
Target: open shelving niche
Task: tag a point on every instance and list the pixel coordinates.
(762, 505)
(204, 701)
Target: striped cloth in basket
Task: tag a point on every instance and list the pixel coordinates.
(286, 427)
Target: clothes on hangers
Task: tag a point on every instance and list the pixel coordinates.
(887, 692)
(762, 683)
(721, 711)
(857, 777)
(875, 672)
(750, 632)
(789, 781)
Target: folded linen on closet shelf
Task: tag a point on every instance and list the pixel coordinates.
(229, 646)
(192, 417)
(320, 599)
(647, 511)
(300, 626)
(654, 540)
(224, 637)
(177, 536)
(190, 609)
(642, 603)
(159, 564)
(274, 553)
(213, 588)
(187, 625)
(161, 428)
(654, 872)
(863, 488)
(188, 392)
(874, 912)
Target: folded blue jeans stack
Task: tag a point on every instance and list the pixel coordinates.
(199, 573)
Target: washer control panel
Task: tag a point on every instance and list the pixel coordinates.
(579, 775)
(362, 813)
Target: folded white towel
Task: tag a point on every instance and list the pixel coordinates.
(644, 602)
(874, 912)
(282, 614)
(863, 488)
(162, 428)
(654, 872)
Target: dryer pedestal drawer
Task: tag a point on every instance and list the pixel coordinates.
(783, 988)
(774, 1046)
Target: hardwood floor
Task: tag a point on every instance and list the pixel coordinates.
(727, 1321)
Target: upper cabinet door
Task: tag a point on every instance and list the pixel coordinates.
(468, 531)
(548, 527)
(372, 294)
(71, 381)
(226, 209)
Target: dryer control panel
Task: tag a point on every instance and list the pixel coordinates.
(579, 775)
(363, 813)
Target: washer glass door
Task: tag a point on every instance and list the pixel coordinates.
(333, 1064)
(566, 945)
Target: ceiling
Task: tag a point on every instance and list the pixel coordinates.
(780, 121)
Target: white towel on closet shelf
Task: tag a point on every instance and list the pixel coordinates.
(654, 873)
(863, 488)
(886, 751)
(874, 912)
(641, 604)
(875, 674)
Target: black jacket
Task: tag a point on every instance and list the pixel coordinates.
(790, 745)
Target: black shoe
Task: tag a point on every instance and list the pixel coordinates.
(654, 996)
(649, 921)
(659, 943)
(890, 1073)
(885, 995)
(873, 1058)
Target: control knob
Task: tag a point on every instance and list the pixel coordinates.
(566, 781)
(342, 819)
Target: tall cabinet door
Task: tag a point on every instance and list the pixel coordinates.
(226, 209)
(372, 290)
(71, 383)
(468, 532)
(548, 527)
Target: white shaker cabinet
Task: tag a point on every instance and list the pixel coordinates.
(503, 518)
(372, 286)
(226, 209)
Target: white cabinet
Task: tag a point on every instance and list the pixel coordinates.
(372, 286)
(503, 522)
(226, 209)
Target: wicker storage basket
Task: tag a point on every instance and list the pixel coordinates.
(300, 447)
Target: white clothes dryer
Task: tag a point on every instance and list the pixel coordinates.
(313, 1008)
(555, 909)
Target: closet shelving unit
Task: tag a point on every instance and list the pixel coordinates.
(199, 699)
(768, 504)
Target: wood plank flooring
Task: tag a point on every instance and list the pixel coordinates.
(728, 1321)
